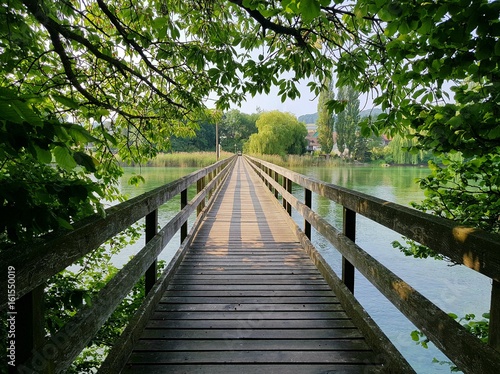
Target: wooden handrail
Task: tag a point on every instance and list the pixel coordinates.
(56, 353)
(464, 349)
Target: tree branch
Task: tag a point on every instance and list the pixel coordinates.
(56, 29)
(267, 24)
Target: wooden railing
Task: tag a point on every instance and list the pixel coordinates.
(473, 248)
(34, 265)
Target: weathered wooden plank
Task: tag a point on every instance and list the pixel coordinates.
(249, 315)
(254, 345)
(256, 271)
(244, 260)
(248, 300)
(294, 368)
(247, 247)
(237, 278)
(253, 323)
(206, 308)
(278, 265)
(219, 335)
(367, 357)
(226, 257)
(245, 281)
(88, 320)
(248, 287)
(250, 293)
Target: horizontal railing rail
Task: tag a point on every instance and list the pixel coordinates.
(471, 247)
(35, 265)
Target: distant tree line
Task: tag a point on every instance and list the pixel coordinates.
(260, 133)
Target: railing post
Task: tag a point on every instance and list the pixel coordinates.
(494, 328)
(276, 179)
(184, 201)
(151, 231)
(289, 189)
(285, 203)
(200, 185)
(29, 325)
(349, 230)
(308, 202)
(210, 177)
(270, 172)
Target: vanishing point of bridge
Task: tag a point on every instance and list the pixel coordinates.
(247, 292)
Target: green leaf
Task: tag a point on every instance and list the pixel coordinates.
(455, 121)
(110, 138)
(497, 48)
(64, 224)
(101, 112)
(66, 101)
(81, 135)
(9, 112)
(494, 133)
(43, 155)
(415, 336)
(64, 158)
(135, 180)
(159, 22)
(18, 111)
(309, 9)
(88, 162)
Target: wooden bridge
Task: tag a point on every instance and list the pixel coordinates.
(247, 292)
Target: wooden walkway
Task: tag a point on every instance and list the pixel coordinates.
(247, 299)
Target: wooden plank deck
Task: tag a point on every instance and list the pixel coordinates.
(248, 299)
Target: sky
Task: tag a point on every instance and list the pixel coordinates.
(306, 104)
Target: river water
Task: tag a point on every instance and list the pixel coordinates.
(453, 288)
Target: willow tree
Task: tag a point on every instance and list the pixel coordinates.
(278, 133)
(399, 147)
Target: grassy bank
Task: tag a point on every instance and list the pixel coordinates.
(292, 161)
(186, 159)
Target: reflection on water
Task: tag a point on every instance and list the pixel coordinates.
(454, 289)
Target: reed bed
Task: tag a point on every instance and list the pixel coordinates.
(186, 159)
